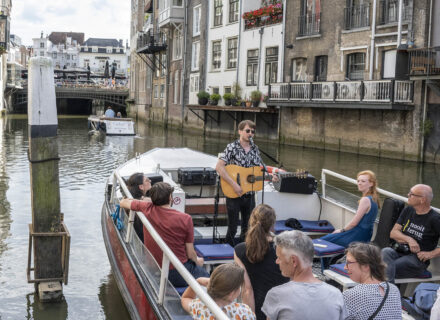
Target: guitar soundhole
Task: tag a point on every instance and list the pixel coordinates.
(251, 178)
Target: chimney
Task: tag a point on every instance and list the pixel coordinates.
(121, 43)
(41, 34)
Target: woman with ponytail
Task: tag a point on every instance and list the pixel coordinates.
(257, 257)
(360, 228)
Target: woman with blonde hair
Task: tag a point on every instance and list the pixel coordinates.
(373, 297)
(360, 228)
(257, 257)
(224, 287)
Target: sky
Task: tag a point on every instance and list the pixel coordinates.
(95, 18)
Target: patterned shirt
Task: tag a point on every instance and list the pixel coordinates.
(235, 154)
(364, 299)
(235, 311)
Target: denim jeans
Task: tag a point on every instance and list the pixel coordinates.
(244, 204)
(195, 270)
(402, 266)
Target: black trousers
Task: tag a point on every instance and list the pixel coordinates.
(244, 205)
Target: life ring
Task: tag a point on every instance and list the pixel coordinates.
(271, 169)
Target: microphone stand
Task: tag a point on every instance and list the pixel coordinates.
(264, 170)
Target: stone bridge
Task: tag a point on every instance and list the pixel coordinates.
(115, 96)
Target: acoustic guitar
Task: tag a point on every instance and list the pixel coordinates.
(250, 179)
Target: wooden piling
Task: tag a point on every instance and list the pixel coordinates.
(44, 175)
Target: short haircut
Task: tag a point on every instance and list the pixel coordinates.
(160, 193)
(243, 124)
(367, 254)
(298, 243)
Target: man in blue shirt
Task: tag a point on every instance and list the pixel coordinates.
(109, 113)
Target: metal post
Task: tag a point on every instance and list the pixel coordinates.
(373, 34)
(45, 191)
(399, 26)
(163, 279)
(323, 183)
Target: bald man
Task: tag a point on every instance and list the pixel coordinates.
(417, 231)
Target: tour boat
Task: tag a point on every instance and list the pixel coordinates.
(112, 126)
(143, 285)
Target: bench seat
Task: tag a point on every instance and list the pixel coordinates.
(310, 227)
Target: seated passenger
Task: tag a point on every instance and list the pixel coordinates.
(119, 115)
(257, 256)
(304, 296)
(109, 113)
(223, 287)
(417, 232)
(360, 228)
(138, 185)
(174, 227)
(365, 266)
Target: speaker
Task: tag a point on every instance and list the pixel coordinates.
(296, 183)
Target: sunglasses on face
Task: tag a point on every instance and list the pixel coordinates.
(250, 131)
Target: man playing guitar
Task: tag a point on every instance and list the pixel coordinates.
(242, 152)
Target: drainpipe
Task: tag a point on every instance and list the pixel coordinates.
(206, 41)
(282, 42)
(399, 27)
(425, 94)
(239, 42)
(183, 75)
(373, 35)
(261, 31)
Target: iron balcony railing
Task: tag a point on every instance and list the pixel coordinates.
(389, 11)
(152, 41)
(357, 17)
(379, 91)
(309, 25)
(424, 61)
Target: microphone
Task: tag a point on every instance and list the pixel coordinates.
(251, 140)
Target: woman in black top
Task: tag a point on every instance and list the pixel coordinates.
(257, 256)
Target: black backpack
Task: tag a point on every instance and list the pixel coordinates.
(389, 214)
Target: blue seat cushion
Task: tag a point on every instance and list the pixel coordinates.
(307, 226)
(217, 251)
(180, 290)
(325, 248)
(339, 268)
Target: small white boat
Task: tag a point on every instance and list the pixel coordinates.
(143, 285)
(112, 126)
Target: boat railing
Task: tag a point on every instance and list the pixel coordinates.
(168, 256)
(326, 172)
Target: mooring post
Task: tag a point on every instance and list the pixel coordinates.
(45, 193)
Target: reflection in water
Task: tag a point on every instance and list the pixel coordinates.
(111, 301)
(86, 162)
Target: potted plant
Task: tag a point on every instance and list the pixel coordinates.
(228, 98)
(256, 97)
(214, 98)
(203, 97)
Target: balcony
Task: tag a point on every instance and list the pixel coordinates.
(151, 42)
(357, 17)
(376, 94)
(170, 12)
(389, 11)
(309, 25)
(424, 62)
(263, 16)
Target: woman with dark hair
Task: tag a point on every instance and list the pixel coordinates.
(257, 256)
(360, 228)
(138, 184)
(373, 298)
(224, 287)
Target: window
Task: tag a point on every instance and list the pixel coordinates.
(41, 53)
(94, 49)
(86, 63)
(195, 56)
(54, 55)
(271, 71)
(216, 55)
(233, 10)
(196, 21)
(252, 67)
(163, 65)
(162, 91)
(218, 12)
(176, 87)
(321, 68)
(177, 3)
(68, 57)
(194, 86)
(177, 44)
(298, 71)
(216, 90)
(232, 53)
(42, 45)
(355, 66)
(228, 90)
(157, 64)
(156, 91)
(109, 49)
(310, 18)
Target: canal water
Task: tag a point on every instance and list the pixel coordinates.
(86, 162)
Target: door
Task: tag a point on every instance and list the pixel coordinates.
(389, 64)
(321, 68)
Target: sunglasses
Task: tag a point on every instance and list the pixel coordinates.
(250, 131)
(410, 194)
